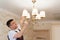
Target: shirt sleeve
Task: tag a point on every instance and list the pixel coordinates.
(11, 35)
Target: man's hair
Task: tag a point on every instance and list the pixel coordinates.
(8, 22)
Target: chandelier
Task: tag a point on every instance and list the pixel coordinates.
(34, 15)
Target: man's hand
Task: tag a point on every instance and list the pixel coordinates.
(25, 23)
(22, 19)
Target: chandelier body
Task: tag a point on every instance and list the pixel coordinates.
(34, 15)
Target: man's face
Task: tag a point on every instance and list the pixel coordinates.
(13, 25)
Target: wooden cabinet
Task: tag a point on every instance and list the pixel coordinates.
(41, 35)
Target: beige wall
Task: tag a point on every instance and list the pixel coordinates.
(4, 16)
(55, 31)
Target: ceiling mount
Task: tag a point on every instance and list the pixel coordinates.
(33, 1)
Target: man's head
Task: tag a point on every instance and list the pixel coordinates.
(11, 24)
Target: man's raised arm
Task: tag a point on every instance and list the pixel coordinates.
(24, 24)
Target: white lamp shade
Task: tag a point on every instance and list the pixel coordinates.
(28, 15)
(38, 16)
(42, 14)
(25, 12)
(34, 11)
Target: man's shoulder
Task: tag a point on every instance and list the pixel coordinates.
(11, 35)
(11, 32)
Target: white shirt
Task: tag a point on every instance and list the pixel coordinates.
(12, 33)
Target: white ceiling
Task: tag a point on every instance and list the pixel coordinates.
(41, 4)
(52, 7)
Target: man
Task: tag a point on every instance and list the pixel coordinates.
(16, 33)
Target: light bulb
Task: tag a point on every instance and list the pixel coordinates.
(28, 15)
(42, 14)
(38, 16)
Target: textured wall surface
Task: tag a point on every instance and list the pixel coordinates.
(4, 16)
